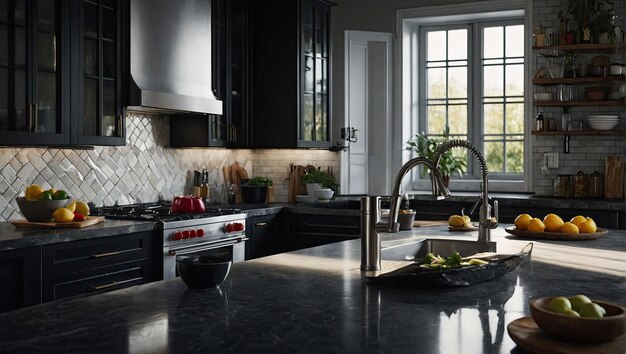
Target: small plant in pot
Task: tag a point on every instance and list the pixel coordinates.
(255, 191)
(318, 179)
(427, 147)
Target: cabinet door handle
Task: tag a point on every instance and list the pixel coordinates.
(260, 224)
(108, 254)
(335, 226)
(103, 286)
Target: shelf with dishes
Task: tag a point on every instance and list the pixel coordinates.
(580, 132)
(620, 102)
(579, 80)
(584, 47)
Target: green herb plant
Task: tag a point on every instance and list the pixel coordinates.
(318, 176)
(601, 15)
(260, 181)
(426, 147)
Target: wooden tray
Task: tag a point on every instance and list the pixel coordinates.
(427, 223)
(89, 221)
(463, 228)
(557, 235)
(528, 336)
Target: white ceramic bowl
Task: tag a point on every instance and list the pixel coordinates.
(543, 96)
(324, 193)
(602, 125)
(306, 198)
(605, 116)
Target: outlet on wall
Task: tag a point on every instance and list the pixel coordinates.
(551, 159)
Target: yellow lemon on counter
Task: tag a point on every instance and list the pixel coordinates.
(536, 225)
(82, 208)
(553, 222)
(456, 220)
(569, 228)
(588, 226)
(63, 215)
(578, 219)
(71, 206)
(522, 221)
(33, 192)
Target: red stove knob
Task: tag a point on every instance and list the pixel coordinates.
(185, 234)
(200, 232)
(229, 228)
(192, 233)
(178, 236)
(238, 226)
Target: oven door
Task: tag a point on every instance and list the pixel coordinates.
(232, 248)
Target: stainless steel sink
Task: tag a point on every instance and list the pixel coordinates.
(420, 248)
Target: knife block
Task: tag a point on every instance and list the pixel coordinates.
(613, 177)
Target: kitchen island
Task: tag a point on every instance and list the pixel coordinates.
(316, 300)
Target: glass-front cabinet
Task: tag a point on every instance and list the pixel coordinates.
(32, 79)
(98, 114)
(60, 70)
(314, 121)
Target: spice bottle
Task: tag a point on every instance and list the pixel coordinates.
(539, 122)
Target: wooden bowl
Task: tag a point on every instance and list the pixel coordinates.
(579, 329)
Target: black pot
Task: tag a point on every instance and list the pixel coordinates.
(253, 194)
(201, 272)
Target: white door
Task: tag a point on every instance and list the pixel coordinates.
(365, 166)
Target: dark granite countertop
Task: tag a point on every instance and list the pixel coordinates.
(316, 301)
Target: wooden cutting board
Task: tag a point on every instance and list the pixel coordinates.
(296, 186)
(427, 223)
(89, 221)
(526, 334)
(613, 177)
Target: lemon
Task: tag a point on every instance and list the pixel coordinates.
(82, 208)
(522, 221)
(467, 220)
(578, 219)
(536, 225)
(71, 206)
(456, 220)
(553, 222)
(569, 228)
(588, 226)
(63, 215)
(33, 192)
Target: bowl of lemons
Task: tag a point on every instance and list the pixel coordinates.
(38, 205)
(578, 318)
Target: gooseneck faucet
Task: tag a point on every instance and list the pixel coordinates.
(486, 222)
(371, 224)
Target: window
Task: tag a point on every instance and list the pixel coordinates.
(470, 77)
(450, 96)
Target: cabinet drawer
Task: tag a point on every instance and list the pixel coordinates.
(80, 256)
(98, 280)
(327, 225)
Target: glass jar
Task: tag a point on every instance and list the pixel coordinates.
(595, 185)
(562, 185)
(581, 185)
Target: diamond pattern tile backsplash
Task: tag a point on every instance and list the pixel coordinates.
(145, 170)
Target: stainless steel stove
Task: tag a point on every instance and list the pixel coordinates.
(217, 231)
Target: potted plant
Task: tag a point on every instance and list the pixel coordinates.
(593, 18)
(318, 179)
(255, 191)
(427, 147)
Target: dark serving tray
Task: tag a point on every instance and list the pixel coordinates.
(414, 276)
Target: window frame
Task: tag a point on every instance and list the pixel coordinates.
(410, 46)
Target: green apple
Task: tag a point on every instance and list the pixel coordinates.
(591, 309)
(571, 313)
(578, 300)
(559, 304)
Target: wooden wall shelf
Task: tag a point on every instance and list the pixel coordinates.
(588, 47)
(580, 132)
(579, 80)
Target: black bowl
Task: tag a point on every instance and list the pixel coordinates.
(253, 194)
(201, 272)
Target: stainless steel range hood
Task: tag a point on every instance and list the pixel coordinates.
(170, 57)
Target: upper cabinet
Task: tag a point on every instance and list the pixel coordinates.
(60, 73)
(230, 76)
(97, 110)
(33, 72)
(290, 57)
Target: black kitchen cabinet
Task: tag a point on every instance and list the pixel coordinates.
(94, 266)
(20, 276)
(290, 51)
(230, 75)
(265, 236)
(34, 72)
(60, 72)
(314, 230)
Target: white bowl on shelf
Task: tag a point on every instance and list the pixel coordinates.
(543, 96)
(602, 125)
(324, 193)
